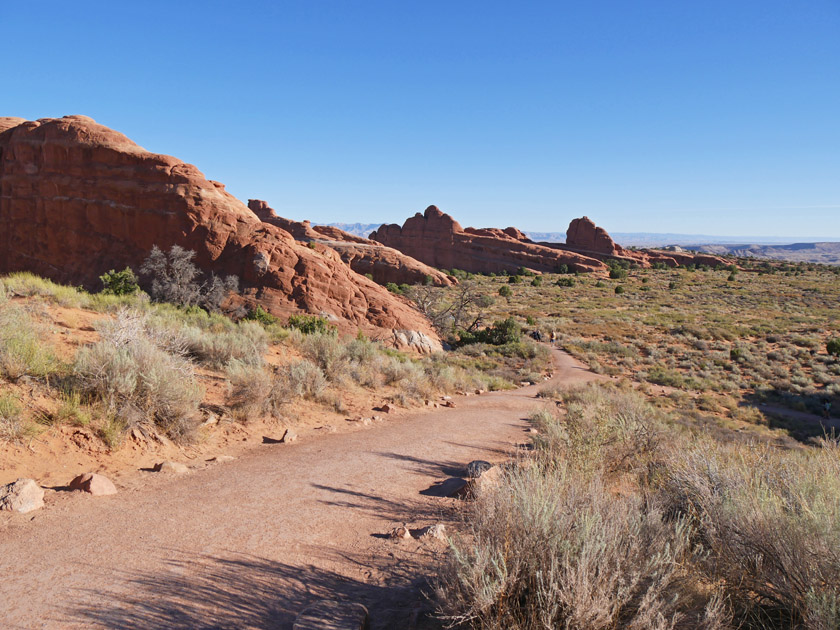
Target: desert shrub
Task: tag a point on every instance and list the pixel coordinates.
(500, 333)
(328, 353)
(505, 291)
(246, 342)
(566, 282)
(131, 372)
(619, 290)
(516, 279)
(537, 281)
(547, 548)
(13, 427)
(259, 314)
(22, 349)
(119, 282)
(617, 273)
(174, 278)
(833, 347)
(302, 379)
(255, 391)
(768, 520)
(73, 410)
(311, 324)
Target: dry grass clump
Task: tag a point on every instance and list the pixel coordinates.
(137, 375)
(22, 350)
(246, 342)
(13, 426)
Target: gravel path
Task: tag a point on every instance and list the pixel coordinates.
(249, 543)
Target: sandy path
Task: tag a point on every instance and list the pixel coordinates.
(247, 544)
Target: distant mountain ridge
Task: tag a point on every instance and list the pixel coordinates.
(824, 253)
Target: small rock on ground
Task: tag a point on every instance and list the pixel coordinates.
(172, 467)
(23, 495)
(401, 532)
(477, 467)
(93, 483)
(289, 436)
(436, 531)
(220, 459)
(332, 615)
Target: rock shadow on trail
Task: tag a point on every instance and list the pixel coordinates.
(239, 592)
(387, 509)
(426, 466)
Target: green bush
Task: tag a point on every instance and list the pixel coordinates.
(515, 279)
(565, 282)
(500, 333)
(259, 314)
(119, 282)
(311, 324)
(537, 281)
(505, 291)
(833, 347)
(619, 289)
(617, 273)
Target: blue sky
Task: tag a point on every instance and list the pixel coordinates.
(714, 117)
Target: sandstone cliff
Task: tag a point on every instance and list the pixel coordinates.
(78, 198)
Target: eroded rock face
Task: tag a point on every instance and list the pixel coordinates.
(437, 239)
(364, 256)
(584, 235)
(78, 198)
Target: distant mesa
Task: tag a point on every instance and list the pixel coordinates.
(437, 239)
(78, 198)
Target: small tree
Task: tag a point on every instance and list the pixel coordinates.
(119, 282)
(175, 279)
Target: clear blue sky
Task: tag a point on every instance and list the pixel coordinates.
(714, 117)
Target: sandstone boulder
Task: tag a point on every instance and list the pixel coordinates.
(78, 198)
(93, 483)
(583, 235)
(23, 495)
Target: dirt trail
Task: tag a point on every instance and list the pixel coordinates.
(249, 543)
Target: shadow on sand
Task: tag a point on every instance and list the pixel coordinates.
(198, 593)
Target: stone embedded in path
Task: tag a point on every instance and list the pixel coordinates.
(436, 532)
(477, 467)
(93, 483)
(23, 495)
(289, 436)
(386, 408)
(449, 404)
(221, 459)
(332, 615)
(401, 532)
(172, 467)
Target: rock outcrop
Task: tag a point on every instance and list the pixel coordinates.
(364, 256)
(437, 239)
(78, 198)
(584, 236)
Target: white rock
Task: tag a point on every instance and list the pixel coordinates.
(23, 495)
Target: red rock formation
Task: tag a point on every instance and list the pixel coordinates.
(437, 239)
(364, 256)
(77, 199)
(584, 236)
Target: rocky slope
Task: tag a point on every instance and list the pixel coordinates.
(364, 256)
(437, 239)
(78, 198)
